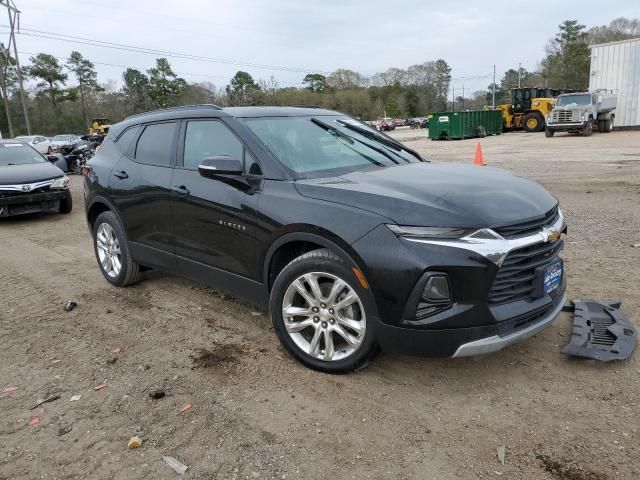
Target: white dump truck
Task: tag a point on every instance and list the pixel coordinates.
(582, 113)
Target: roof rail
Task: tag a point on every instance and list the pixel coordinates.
(307, 106)
(181, 107)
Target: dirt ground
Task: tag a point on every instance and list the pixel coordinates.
(257, 413)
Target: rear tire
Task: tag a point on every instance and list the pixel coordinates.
(608, 125)
(112, 249)
(322, 334)
(533, 122)
(601, 126)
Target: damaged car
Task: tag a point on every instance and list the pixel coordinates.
(29, 183)
(353, 241)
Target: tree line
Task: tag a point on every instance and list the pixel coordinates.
(56, 107)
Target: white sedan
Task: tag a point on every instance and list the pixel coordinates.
(40, 143)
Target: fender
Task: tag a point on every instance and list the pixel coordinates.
(330, 241)
(103, 200)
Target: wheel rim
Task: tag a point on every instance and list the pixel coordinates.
(532, 123)
(324, 316)
(109, 253)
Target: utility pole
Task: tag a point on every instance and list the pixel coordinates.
(463, 97)
(14, 18)
(453, 100)
(493, 89)
(519, 73)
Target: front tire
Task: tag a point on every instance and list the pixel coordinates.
(549, 133)
(533, 122)
(322, 314)
(66, 204)
(112, 251)
(588, 128)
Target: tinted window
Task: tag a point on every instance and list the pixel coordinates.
(209, 139)
(155, 144)
(124, 140)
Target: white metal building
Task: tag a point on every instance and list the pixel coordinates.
(616, 66)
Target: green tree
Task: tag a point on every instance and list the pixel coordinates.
(567, 62)
(442, 79)
(315, 82)
(87, 77)
(243, 90)
(619, 29)
(46, 68)
(136, 89)
(164, 85)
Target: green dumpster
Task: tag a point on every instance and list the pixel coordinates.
(469, 124)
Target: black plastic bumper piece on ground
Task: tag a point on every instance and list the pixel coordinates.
(600, 331)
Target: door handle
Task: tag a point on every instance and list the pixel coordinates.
(182, 190)
(121, 174)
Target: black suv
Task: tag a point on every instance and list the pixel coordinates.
(352, 240)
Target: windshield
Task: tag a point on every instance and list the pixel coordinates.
(61, 138)
(18, 154)
(327, 145)
(574, 100)
(24, 138)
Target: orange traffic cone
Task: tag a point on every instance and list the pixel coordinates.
(479, 160)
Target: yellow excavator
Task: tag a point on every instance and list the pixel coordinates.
(528, 108)
(99, 126)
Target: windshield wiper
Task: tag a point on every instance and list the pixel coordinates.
(329, 128)
(389, 142)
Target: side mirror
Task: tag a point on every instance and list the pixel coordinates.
(52, 158)
(210, 167)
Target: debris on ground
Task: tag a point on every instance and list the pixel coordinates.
(64, 430)
(178, 467)
(502, 450)
(256, 314)
(70, 305)
(600, 331)
(100, 387)
(9, 389)
(116, 350)
(75, 398)
(157, 393)
(222, 355)
(55, 362)
(52, 398)
(135, 442)
(185, 407)
(35, 421)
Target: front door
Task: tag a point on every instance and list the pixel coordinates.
(215, 219)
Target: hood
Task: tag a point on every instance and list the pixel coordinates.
(28, 173)
(437, 195)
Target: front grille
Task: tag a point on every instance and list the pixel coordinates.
(531, 226)
(564, 116)
(513, 325)
(516, 277)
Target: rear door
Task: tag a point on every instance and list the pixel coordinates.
(214, 219)
(140, 185)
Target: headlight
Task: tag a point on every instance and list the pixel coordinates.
(548, 118)
(441, 233)
(61, 183)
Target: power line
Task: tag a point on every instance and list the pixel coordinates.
(137, 67)
(150, 51)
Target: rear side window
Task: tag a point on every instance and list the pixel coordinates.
(124, 140)
(155, 144)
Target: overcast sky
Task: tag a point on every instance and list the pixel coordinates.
(364, 35)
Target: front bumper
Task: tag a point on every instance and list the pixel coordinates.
(23, 203)
(561, 127)
(496, 342)
(471, 324)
